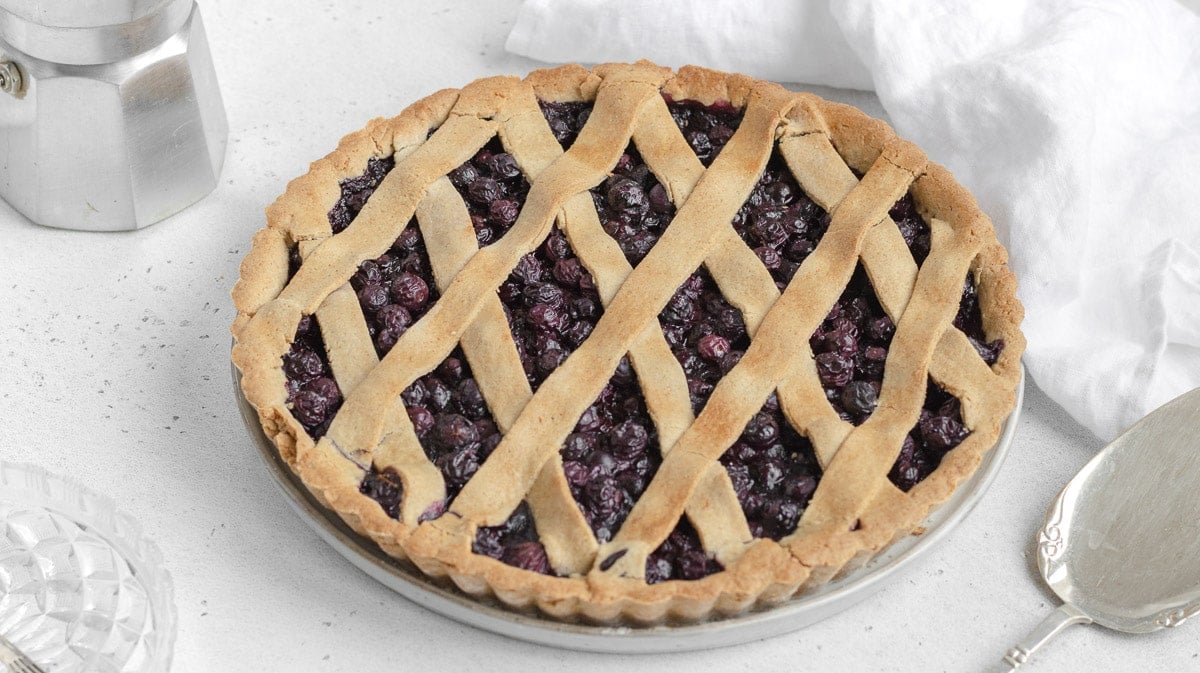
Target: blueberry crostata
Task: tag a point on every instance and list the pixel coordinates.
(627, 343)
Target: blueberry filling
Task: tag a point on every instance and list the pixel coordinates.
(680, 556)
(939, 429)
(356, 191)
(705, 127)
(612, 453)
(494, 189)
(912, 227)
(705, 332)
(633, 206)
(779, 222)
(312, 392)
(773, 468)
(774, 472)
(970, 321)
(313, 395)
(850, 347)
(514, 542)
(395, 289)
(566, 119)
(552, 306)
(384, 487)
(452, 421)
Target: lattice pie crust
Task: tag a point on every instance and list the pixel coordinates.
(855, 511)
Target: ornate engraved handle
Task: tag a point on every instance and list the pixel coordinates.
(1050, 538)
(1055, 622)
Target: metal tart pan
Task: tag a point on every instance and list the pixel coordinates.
(489, 614)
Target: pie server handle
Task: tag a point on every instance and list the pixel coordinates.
(1054, 623)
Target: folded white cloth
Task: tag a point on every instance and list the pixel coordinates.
(1076, 124)
(782, 41)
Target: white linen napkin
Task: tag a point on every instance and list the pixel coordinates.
(1075, 123)
(782, 41)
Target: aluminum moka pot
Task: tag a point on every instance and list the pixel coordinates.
(110, 116)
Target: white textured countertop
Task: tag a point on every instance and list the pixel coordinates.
(114, 368)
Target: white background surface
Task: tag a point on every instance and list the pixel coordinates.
(114, 368)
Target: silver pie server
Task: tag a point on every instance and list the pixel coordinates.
(1121, 542)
